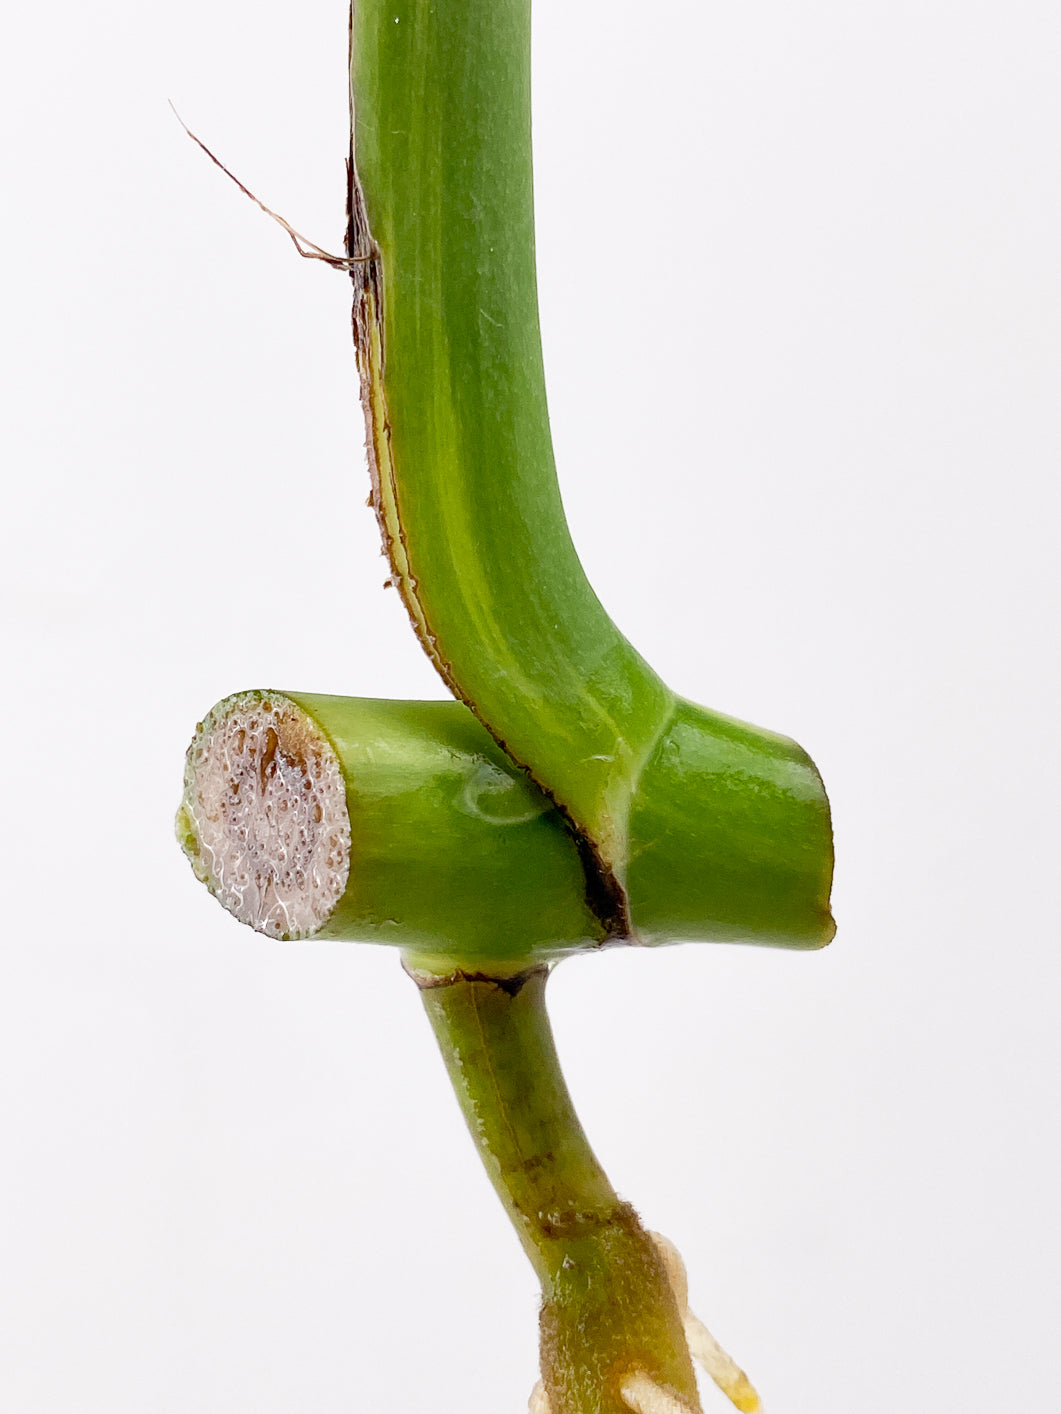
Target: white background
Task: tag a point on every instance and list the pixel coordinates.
(802, 313)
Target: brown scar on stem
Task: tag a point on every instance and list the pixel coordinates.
(512, 986)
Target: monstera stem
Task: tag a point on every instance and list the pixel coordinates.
(569, 799)
(609, 1313)
(446, 320)
(663, 799)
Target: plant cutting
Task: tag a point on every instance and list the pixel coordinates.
(565, 799)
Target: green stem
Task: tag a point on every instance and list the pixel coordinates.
(458, 858)
(607, 1305)
(659, 794)
(464, 480)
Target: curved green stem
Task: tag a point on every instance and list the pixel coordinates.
(464, 485)
(608, 1308)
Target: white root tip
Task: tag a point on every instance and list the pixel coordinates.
(722, 1368)
(264, 820)
(539, 1401)
(643, 1395)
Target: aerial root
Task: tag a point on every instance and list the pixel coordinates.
(644, 1395)
(640, 1393)
(703, 1346)
(539, 1401)
(309, 250)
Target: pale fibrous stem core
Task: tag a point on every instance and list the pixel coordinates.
(264, 819)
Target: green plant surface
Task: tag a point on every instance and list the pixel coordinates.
(465, 481)
(608, 1308)
(456, 856)
(465, 488)
(461, 860)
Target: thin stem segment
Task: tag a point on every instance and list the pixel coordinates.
(608, 1308)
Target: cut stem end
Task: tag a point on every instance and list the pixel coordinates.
(263, 819)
